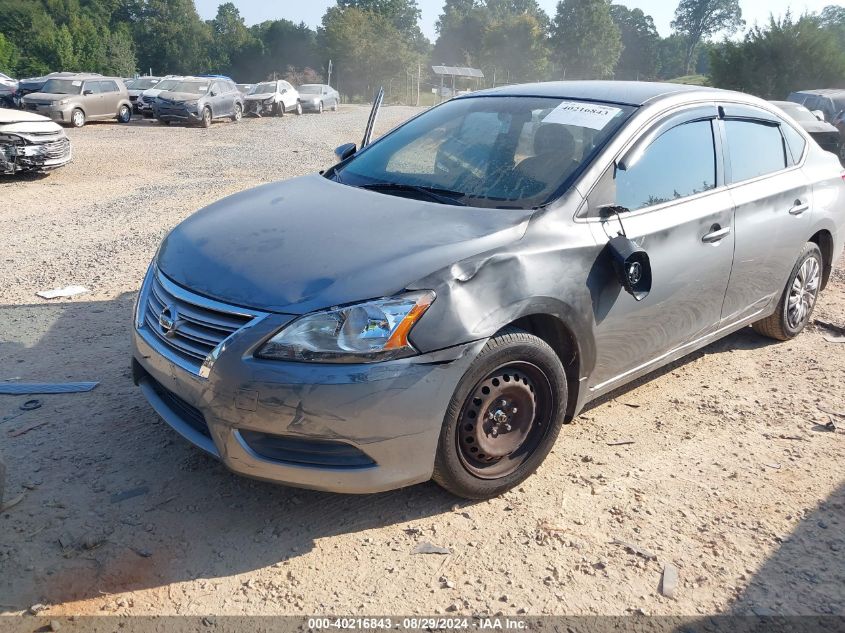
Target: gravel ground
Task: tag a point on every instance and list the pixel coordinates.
(728, 473)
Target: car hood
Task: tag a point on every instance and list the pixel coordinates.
(179, 97)
(47, 96)
(9, 117)
(260, 96)
(311, 243)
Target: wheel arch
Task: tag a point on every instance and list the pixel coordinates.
(572, 350)
(824, 240)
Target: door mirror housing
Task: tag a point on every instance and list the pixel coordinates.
(819, 115)
(85, 93)
(630, 262)
(345, 151)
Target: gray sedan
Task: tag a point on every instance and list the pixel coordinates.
(318, 98)
(465, 285)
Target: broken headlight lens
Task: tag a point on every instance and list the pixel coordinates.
(362, 333)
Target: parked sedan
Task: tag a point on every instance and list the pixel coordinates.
(274, 98)
(465, 285)
(31, 142)
(81, 98)
(826, 135)
(318, 97)
(199, 100)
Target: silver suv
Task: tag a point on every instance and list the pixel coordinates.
(78, 99)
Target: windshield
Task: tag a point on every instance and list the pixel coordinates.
(166, 84)
(143, 83)
(261, 89)
(310, 89)
(193, 87)
(62, 87)
(490, 151)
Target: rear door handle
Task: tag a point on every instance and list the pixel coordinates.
(716, 234)
(799, 208)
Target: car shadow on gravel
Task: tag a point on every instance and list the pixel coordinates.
(116, 501)
(744, 339)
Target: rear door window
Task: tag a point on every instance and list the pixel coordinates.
(108, 86)
(680, 163)
(755, 148)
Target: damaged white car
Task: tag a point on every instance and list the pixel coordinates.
(31, 142)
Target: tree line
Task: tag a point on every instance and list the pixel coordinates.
(372, 42)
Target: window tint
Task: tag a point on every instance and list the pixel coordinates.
(680, 163)
(755, 149)
(108, 86)
(795, 143)
(93, 86)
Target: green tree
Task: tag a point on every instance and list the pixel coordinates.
(170, 37)
(233, 45)
(460, 30)
(514, 47)
(586, 42)
(366, 48)
(8, 56)
(404, 15)
(697, 20)
(640, 41)
(284, 45)
(784, 56)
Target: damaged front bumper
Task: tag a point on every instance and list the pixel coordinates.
(27, 152)
(357, 428)
(254, 107)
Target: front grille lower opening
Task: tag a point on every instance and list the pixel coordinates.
(306, 452)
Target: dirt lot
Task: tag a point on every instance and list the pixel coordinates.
(728, 475)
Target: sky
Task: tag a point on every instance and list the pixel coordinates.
(311, 11)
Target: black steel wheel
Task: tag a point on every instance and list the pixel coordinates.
(504, 417)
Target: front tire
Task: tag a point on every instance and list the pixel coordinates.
(796, 304)
(239, 113)
(298, 108)
(77, 118)
(504, 417)
(206, 117)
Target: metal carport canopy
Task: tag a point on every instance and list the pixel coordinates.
(457, 71)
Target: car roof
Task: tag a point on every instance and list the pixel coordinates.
(823, 92)
(635, 93)
(788, 104)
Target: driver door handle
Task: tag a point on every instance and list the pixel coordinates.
(799, 208)
(716, 234)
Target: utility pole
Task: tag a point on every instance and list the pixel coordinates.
(419, 79)
(330, 73)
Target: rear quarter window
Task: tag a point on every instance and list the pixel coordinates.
(795, 143)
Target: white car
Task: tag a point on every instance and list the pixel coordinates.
(272, 98)
(31, 142)
(144, 103)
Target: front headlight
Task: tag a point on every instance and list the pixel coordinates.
(191, 105)
(362, 333)
(61, 102)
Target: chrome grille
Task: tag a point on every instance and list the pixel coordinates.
(56, 149)
(201, 325)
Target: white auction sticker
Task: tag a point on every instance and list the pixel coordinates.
(589, 115)
(76, 83)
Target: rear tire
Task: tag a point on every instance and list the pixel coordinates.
(124, 114)
(796, 304)
(503, 418)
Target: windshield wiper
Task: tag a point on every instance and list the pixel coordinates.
(445, 196)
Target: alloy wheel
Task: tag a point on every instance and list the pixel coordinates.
(78, 118)
(803, 293)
